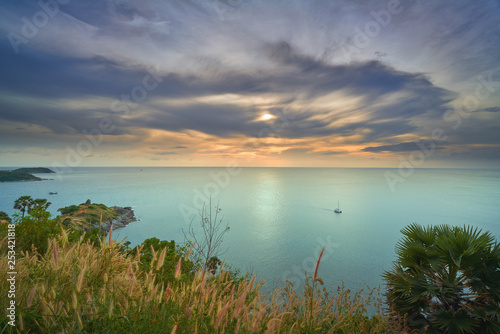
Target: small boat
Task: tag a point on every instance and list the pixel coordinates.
(337, 210)
(52, 193)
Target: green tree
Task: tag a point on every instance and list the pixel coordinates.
(23, 203)
(446, 279)
(39, 203)
(4, 217)
(35, 230)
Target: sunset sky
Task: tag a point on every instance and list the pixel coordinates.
(258, 83)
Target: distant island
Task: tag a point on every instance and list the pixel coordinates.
(34, 170)
(90, 215)
(12, 176)
(23, 174)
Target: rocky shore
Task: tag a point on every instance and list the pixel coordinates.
(125, 217)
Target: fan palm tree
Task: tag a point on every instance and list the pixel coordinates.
(446, 279)
(23, 203)
(39, 203)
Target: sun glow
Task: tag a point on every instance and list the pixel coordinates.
(266, 117)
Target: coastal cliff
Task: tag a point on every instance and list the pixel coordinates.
(125, 216)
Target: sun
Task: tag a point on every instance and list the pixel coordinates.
(266, 117)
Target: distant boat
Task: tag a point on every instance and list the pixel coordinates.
(52, 193)
(337, 210)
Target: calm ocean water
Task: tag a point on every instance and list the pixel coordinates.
(281, 217)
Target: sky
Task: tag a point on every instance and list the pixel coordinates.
(293, 83)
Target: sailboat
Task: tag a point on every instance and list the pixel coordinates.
(337, 210)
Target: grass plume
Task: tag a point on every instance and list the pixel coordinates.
(82, 287)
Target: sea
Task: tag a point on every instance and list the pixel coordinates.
(279, 219)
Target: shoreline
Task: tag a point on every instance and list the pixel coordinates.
(27, 181)
(125, 216)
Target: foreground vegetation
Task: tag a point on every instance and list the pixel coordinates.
(71, 281)
(81, 287)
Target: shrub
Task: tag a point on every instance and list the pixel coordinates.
(68, 210)
(35, 230)
(4, 217)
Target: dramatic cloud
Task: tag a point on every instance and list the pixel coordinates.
(256, 81)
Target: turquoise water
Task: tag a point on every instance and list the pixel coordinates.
(280, 218)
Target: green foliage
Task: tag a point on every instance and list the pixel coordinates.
(150, 252)
(446, 279)
(213, 263)
(39, 204)
(68, 210)
(23, 203)
(35, 230)
(5, 217)
(86, 215)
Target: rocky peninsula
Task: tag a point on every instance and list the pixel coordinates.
(125, 216)
(90, 215)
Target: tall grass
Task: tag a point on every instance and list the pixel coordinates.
(80, 287)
